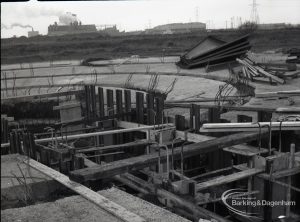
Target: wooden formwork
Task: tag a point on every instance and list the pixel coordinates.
(191, 164)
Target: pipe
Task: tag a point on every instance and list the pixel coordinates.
(84, 135)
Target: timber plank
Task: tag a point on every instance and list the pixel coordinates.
(85, 192)
(228, 178)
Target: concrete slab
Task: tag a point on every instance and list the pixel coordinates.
(20, 184)
(77, 208)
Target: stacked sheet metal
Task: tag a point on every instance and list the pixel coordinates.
(213, 51)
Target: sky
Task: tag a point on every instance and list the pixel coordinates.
(141, 14)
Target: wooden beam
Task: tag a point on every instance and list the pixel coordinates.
(276, 175)
(227, 179)
(245, 150)
(241, 149)
(140, 162)
(102, 202)
(147, 188)
(116, 147)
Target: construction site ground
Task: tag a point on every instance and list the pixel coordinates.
(114, 73)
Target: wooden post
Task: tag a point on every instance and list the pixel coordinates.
(119, 102)
(87, 102)
(215, 158)
(192, 116)
(159, 109)
(4, 130)
(127, 104)
(150, 109)
(32, 146)
(93, 101)
(110, 102)
(197, 117)
(140, 107)
(180, 122)
(18, 142)
(119, 109)
(12, 143)
(101, 102)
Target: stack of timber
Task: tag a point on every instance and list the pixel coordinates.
(254, 72)
(294, 56)
(212, 51)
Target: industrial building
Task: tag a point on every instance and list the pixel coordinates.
(110, 30)
(33, 33)
(174, 28)
(74, 28)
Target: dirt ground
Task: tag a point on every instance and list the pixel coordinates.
(115, 75)
(77, 208)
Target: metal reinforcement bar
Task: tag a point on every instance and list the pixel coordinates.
(102, 202)
(102, 133)
(140, 162)
(123, 73)
(224, 107)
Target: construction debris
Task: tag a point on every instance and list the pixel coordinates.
(252, 71)
(294, 56)
(213, 51)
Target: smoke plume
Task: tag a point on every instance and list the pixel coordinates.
(20, 25)
(67, 18)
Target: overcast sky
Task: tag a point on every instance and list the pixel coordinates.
(141, 14)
